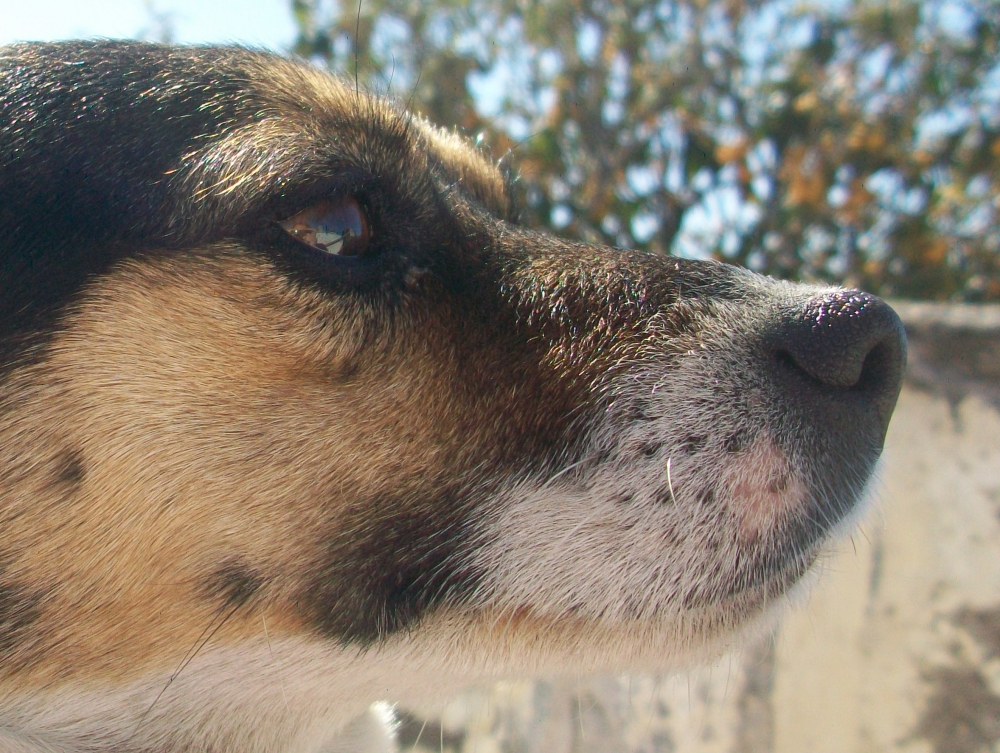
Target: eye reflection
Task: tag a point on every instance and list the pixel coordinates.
(337, 227)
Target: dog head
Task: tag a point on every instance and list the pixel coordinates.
(283, 380)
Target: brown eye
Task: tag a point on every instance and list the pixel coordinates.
(337, 227)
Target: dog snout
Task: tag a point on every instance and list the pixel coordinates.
(845, 341)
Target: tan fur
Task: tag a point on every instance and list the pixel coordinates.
(223, 366)
(245, 492)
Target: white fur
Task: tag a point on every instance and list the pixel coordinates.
(303, 696)
(552, 546)
(557, 546)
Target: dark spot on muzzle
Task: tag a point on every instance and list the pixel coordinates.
(736, 442)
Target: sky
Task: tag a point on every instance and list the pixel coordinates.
(266, 23)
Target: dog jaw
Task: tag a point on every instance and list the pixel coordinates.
(245, 492)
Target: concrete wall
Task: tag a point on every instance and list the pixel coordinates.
(898, 648)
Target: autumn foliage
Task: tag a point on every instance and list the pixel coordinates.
(850, 142)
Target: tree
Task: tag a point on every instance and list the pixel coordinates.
(850, 142)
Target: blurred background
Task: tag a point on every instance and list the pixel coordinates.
(848, 142)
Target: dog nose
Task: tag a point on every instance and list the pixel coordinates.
(846, 341)
(838, 337)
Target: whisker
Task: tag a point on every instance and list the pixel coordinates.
(670, 483)
(206, 635)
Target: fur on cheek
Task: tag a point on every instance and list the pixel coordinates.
(665, 515)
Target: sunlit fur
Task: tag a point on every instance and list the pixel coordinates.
(242, 499)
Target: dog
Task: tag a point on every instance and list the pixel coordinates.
(295, 416)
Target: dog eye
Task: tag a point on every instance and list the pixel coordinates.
(337, 227)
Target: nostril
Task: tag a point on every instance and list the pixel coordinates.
(880, 362)
(844, 340)
(786, 359)
(844, 375)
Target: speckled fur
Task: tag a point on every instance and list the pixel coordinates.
(241, 500)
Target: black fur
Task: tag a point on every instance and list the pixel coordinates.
(93, 137)
(381, 576)
(83, 180)
(234, 583)
(70, 470)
